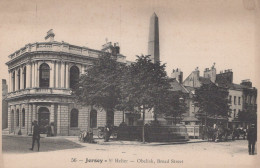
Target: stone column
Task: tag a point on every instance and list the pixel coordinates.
(34, 112)
(52, 113)
(36, 75)
(52, 73)
(28, 75)
(54, 77)
(21, 116)
(59, 119)
(15, 116)
(21, 78)
(62, 70)
(30, 115)
(33, 75)
(57, 84)
(16, 80)
(82, 69)
(9, 81)
(67, 75)
(9, 119)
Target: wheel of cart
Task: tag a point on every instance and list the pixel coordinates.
(100, 132)
(114, 132)
(82, 135)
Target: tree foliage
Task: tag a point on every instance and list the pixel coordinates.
(212, 101)
(176, 105)
(146, 86)
(248, 116)
(100, 84)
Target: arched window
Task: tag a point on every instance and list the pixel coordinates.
(19, 79)
(74, 118)
(13, 81)
(23, 117)
(17, 117)
(44, 75)
(24, 78)
(74, 76)
(93, 118)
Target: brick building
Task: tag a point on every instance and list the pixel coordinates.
(4, 105)
(41, 76)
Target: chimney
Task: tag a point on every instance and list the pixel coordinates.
(177, 74)
(246, 83)
(50, 36)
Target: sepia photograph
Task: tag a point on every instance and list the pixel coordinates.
(129, 83)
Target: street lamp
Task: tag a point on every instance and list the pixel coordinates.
(181, 100)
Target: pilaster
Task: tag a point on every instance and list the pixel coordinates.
(52, 113)
(52, 73)
(16, 80)
(36, 74)
(9, 120)
(33, 75)
(21, 78)
(30, 115)
(34, 112)
(62, 82)
(57, 78)
(67, 75)
(58, 119)
(28, 75)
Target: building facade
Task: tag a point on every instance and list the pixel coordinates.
(41, 76)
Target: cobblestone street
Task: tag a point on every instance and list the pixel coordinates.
(68, 152)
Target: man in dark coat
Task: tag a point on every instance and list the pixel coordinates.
(252, 138)
(36, 135)
(107, 133)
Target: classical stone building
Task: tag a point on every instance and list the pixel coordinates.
(41, 76)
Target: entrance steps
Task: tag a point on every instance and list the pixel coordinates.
(5, 131)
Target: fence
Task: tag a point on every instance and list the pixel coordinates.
(153, 134)
(194, 131)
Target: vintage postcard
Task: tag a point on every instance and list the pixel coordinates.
(129, 83)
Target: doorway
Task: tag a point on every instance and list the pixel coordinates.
(43, 119)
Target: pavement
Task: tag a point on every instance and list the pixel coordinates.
(69, 152)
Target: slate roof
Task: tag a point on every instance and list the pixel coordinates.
(204, 80)
(176, 86)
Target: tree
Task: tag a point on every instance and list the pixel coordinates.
(249, 116)
(146, 87)
(176, 106)
(212, 101)
(100, 85)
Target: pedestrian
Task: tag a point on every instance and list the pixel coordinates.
(252, 138)
(107, 133)
(36, 135)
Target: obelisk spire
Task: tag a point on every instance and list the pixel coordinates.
(153, 43)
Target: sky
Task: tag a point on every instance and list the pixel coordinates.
(193, 33)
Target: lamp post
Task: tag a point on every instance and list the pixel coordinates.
(181, 100)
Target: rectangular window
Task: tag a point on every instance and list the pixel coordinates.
(234, 113)
(230, 99)
(235, 99)
(239, 100)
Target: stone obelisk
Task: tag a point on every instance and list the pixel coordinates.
(153, 43)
